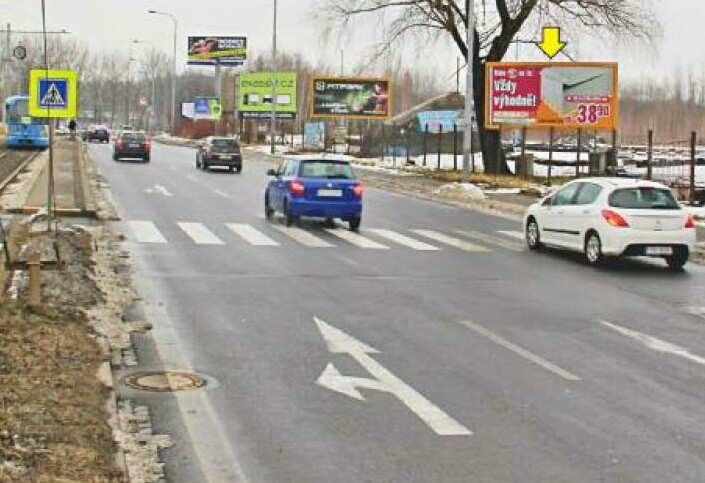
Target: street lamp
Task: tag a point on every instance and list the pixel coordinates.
(173, 66)
(273, 122)
(467, 135)
(127, 91)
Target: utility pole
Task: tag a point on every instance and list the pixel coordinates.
(273, 120)
(467, 136)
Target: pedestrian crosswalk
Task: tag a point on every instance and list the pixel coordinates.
(276, 235)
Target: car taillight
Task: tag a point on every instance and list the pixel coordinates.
(358, 189)
(147, 145)
(690, 221)
(296, 187)
(118, 143)
(614, 219)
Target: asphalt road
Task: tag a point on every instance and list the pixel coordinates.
(478, 361)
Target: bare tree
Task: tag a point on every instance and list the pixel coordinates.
(497, 29)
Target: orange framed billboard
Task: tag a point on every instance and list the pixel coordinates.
(562, 95)
(351, 97)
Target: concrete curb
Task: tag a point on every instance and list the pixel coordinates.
(42, 160)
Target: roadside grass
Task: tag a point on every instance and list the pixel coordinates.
(52, 413)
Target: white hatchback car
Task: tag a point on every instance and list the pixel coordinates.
(610, 217)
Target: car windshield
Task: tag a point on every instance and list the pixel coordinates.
(133, 138)
(326, 170)
(644, 198)
(228, 144)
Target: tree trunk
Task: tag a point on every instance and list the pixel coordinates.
(490, 140)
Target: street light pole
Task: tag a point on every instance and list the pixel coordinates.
(273, 120)
(173, 67)
(469, 92)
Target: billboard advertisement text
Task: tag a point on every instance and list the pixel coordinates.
(256, 94)
(352, 98)
(561, 95)
(227, 51)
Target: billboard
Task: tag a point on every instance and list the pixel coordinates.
(208, 108)
(438, 120)
(351, 98)
(256, 94)
(227, 51)
(557, 94)
(315, 135)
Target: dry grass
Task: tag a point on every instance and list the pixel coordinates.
(16, 238)
(52, 418)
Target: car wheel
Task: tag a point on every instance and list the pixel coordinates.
(231, 169)
(289, 217)
(115, 157)
(593, 249)
(205, 166)
(533, 234)
(330, 223)
(268, 210)
(147, 159)
(355, 223)
(677, 260)
(238, 169)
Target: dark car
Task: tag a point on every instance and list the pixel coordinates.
(323, 188)
(97, 133)
(132, 145)
(220, 152)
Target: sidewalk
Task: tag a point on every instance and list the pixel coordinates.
(71, 194)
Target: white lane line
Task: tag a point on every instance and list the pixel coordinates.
(222, 194)
(540, 361)
(146, 232)
(404, 240)
(200, 234)
(161, 189)
(452, 241)
(513, 234)
(251, 235)
(492, 240)
(654, 343)
(302, 236)
(355, 239)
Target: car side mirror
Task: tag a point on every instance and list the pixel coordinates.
(548, 201)
(272, 172)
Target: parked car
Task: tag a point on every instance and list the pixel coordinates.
(323, 188)
(132, 145)
(220, 152)
(98, 133)
(612, 217)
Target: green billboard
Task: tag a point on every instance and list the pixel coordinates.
(256, 95)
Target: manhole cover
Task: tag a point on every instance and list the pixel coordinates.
(165, 381)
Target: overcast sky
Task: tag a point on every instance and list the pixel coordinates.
(112, 24)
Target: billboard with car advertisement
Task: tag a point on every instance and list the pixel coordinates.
(256, 94)
(226, 51)
(556, 94)
(351, 98)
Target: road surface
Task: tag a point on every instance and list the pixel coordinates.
(433, 347)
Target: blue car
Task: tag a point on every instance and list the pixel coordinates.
(322, 188)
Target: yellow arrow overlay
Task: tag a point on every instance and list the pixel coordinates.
(551, 43)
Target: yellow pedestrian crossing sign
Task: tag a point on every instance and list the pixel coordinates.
(52, 93)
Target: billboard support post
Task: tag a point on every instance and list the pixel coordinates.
(523, 153)
(649, 153)
(692, 167)
(455, 147)
(613, 158)
(272, 121)
(550, 154)
(467, 138)
(218, 91)
(440, 145)
(425, 145)
(577, 154)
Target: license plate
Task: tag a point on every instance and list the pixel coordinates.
(330, 193)
(659, 251)
(134, 145)
(224, 156)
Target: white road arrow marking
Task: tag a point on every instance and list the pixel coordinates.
(159, 189)
(338, 342)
